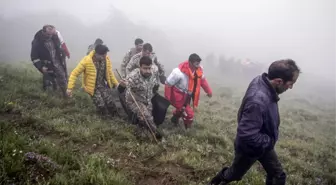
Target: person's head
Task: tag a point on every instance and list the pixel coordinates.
(146, 66)
(98, 41)
(147, 49)
(101, 52)
(138, 44)
(194, 61)
(283, 74)
(48, 31)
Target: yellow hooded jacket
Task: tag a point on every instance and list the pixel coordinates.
(87, 66)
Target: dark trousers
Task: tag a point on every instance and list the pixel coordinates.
(242, 163)
(56, 78)
(49, 79)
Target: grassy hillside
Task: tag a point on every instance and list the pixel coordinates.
(89, 150)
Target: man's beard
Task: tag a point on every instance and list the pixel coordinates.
(146, 75)
(280, 89)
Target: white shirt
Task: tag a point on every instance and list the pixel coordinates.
(179, 79)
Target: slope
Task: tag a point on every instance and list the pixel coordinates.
(90, 150)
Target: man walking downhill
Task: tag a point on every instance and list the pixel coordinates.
(140, 83)
(183, 87)
(91, 48)
(258, 125)
(98, 80)
(157, 67)
(133, 51)
(49, 59)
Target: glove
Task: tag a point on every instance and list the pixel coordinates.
(162, 79)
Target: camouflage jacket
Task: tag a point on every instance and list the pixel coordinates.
(141, 88)
(158, 68)
(90, 48)
(126, 60)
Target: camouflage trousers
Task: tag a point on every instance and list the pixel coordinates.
(137, 115)
(55, 78)
(103, 100)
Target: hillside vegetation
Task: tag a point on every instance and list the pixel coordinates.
(89, 150)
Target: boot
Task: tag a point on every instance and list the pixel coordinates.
(174, 119)
(218, 179)
(102, 112)
(112, 109)
(187, 124)
(158, 135)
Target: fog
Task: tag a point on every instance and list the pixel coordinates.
(256, 30)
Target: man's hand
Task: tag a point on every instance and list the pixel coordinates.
(209, 95)
(69, 92)
(140, 118)
(162, 79)
(123, 83)
(44, 69)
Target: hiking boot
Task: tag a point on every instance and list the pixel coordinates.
(218, 179)
(138, 132)
(187, 124)
(174, 119)
(158, 136)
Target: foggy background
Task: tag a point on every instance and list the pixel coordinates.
(224, 33)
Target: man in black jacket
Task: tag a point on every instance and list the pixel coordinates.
(49, 58)
(258, 125)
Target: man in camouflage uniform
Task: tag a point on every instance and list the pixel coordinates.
(138, 47)
(102, 97)
(93, 46)
(157, 68)
(140, 83)
(49, 58)
(133, 51)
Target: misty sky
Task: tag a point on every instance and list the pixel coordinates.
(262, 30)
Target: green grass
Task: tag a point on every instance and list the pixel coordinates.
(90, 150)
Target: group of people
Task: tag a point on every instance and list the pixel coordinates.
(140, 79)
(141, 76)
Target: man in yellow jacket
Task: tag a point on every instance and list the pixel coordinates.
(98, 79)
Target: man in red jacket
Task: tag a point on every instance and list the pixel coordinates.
(183, 86)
